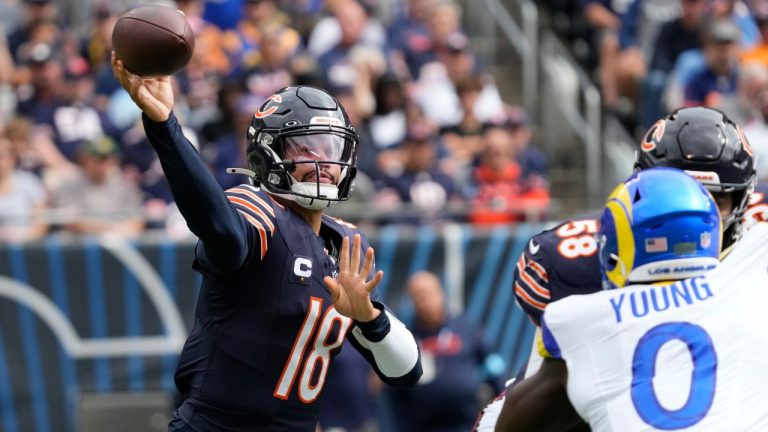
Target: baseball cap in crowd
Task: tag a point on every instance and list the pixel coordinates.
(75, 68)
(456, 42)
(102, 147)
(513, 117)
(723, 30)
(37, 54)
(760, 11)
(420, 132)
(516, 117)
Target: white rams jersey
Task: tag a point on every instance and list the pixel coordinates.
(689, 356)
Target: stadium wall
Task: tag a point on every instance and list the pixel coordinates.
(102, 315)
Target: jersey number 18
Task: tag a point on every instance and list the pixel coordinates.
(320, 353)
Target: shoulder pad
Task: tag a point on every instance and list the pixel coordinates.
(557, 263)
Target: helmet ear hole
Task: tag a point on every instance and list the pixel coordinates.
(613, 259)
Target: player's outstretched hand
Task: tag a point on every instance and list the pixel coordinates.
(350, 292)
(153, 95)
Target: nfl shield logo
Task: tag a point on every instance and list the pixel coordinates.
(706, 240)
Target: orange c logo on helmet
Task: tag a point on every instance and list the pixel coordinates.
(744, 142)
(653, 136)
(271, 110)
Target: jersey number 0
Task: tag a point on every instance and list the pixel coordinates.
(320, 353)
(702, 391)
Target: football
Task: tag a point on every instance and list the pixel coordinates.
(153, 40)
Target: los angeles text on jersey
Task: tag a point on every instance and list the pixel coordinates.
(659, 298)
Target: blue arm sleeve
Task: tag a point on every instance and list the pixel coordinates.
(223, 234)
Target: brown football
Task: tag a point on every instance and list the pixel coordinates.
(153, 40)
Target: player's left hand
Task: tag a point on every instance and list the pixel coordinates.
(350, 292)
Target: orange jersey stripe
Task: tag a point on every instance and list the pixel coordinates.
(260, 229)
(530, 281)
(524, 295)
(539, 270)
(255, 209)
(254, 197)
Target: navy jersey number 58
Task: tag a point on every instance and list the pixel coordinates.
(703, 381)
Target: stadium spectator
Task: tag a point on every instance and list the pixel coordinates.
(410, 39)
(740, 13)
(35, 12)
(435, 90)
(718, 77)
(367, 152)
(759, 52)
(604, 20)
(444, 21)
(7, 78)
(353, 62)
(463, 139)
(639, 27)
(228, 149)
(99, 198)
(36, 152)
(459, 365)
(97, 45)
(534, 163)
(509, 182)
(22, 199)
(674, 38)
(62, 86)
(271, 72)
(388, 124)
(753, 91)
(257, 16)
(225, 14)
(420, 192)
(327, 32)
(496, 182)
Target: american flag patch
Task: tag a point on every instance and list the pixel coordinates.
(656, 244)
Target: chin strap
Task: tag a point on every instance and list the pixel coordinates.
(305, 188)
(328, 195)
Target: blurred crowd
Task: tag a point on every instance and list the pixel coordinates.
(437, 141)
(651, 56)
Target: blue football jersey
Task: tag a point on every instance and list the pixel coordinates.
(271, 325)
(557, 263)
(265, 329)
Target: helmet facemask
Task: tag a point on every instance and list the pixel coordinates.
(732, 223)
(331, 151)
